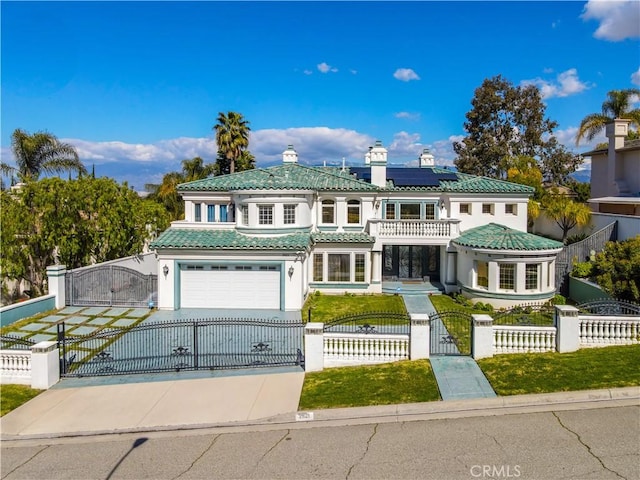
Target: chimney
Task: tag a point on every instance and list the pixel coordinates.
(426, 159)
(289, 155)
(616, 132)
(378, 162)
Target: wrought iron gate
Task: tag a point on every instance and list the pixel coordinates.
(450, 333)
(209, 344)
(110, 285)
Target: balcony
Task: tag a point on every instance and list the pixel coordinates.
(444, 229)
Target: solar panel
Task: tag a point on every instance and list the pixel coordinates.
(408, 177)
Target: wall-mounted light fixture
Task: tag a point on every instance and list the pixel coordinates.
(165, 270)
(291, 270)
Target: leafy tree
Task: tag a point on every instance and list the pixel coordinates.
(232, 137)
(581, 189)
(73, 222)
(566, 213)
(617, 105)
(39, 153)
(617, 269)
(507, 122)
(525, 171)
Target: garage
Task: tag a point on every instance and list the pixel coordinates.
(230, 286)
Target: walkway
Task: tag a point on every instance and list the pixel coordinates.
(458, 377)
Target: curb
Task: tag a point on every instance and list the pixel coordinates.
(517, 404)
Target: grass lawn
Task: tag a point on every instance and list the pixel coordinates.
(588, 368)
(389, 383)
(12, 396)
(328, 307)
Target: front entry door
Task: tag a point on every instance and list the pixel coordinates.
(411, 261)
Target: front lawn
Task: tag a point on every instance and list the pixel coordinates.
(12, 396)
(389, 383)
(329, 307)
(586, 369)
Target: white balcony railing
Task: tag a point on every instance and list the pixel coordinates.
(448, 228)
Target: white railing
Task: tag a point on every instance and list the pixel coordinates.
(415, 228)
(523, 339)
(15, 366)
(605, 330)
(352, 349)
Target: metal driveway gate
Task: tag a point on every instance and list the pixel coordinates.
(110, 285)
(450, 333)
(209, 344)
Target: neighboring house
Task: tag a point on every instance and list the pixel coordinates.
(266, 238)
(615, 181)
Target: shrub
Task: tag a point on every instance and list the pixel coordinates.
(558, 300)
(582, 270)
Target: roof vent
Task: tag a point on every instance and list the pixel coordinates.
(289, 155)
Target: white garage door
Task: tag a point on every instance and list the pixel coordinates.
(229, 286)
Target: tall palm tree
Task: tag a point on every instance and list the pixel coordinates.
(195, 169)
(617, 105)
(39, 153)
(232, 137)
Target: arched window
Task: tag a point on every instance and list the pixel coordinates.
(328, 211)
(353, 211)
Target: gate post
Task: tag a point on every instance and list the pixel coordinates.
(567, 328)
(45, 365)
(482, 336)
(314, 347)
(56, 275)
(420, 336)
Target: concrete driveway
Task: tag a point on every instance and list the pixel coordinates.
(156, 402)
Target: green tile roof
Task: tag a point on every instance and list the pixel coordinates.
(499, 237)
(348, 237)
(228, 240)
(291, 176)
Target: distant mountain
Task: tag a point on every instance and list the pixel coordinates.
(582, 175)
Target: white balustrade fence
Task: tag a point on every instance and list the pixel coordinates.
(414, 228)
(358, 349)
(15, 366)
(523, 339)
(608, 330)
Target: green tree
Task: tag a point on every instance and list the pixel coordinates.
(565, 212)
(617, 105)
(39, 153)
(507, 122)
(73, 222)
(617, 269)
(581, 189)
(166, 193)
(232, 138)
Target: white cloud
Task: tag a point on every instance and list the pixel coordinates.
(354, 72)
(635, 77)
(618, 19)
(405, 75)
(326, 68)
(408, 115)
(567, 83)
(307, 72)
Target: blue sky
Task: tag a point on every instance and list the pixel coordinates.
(137, 86)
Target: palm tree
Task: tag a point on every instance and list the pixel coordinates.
(232, 137)
(195, 169)
(617, 105)
(39, 153)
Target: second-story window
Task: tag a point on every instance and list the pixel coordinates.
(265, 214)
(197, 210)
(244, 212)
(223, 213)
(430, 211)
(410, 211)
(353, 211)
(390, 211)
(289, 214)
(211, 213)
(328, 211)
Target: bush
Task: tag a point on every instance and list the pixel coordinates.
(461, 300)
(483, 307)
(558, 300)
(582, 270)
(617, 269)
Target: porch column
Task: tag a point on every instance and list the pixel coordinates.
(376, 267)
(451, 268)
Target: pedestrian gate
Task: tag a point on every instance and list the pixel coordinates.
(450, 333)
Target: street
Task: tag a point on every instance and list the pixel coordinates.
(596, 443)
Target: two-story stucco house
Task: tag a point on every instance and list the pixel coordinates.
(266, 238)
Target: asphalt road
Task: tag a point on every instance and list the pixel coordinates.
(597, 443)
